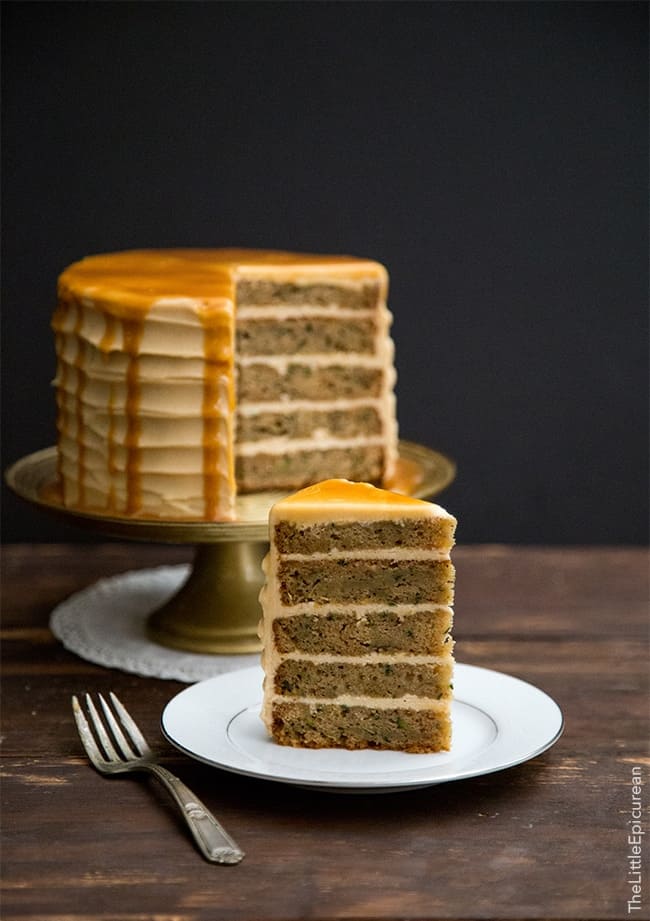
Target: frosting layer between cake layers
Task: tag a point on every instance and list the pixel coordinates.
(184, 375)
(357, 618)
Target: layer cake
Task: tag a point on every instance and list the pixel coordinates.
(357, 618)
(184, 376)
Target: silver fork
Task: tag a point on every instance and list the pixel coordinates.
(116, 754)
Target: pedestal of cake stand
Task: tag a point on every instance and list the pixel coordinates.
(217, 609)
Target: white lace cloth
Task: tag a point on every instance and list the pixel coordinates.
(105, 624)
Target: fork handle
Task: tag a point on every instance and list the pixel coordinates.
(214, 842)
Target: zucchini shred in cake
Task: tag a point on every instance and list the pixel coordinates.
(356, 620)
(185, 376)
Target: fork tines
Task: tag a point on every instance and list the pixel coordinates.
(113, 745)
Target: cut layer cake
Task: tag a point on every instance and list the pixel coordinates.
(357, 618)
(185, 376)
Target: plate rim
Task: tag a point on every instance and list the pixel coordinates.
(389, 781)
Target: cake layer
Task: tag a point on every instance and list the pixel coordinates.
(305, 336)
(270, 294)
(283, 470)
(330, 725)
(360, 633)
(364, 581)
(262, 382)
(291, 537)
(308, 678)
(303, 423)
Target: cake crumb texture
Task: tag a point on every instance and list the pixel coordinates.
(427, 533)
(350, 581)
(327, 725)
(304, 678)
(357, 633)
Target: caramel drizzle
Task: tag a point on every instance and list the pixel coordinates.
(107, 342)
(132, 331)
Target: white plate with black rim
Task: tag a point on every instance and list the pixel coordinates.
(498, 721)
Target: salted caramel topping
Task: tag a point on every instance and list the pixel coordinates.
(351, 501)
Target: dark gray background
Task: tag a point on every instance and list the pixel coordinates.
(493, 156)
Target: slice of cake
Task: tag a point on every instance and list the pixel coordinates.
(357, 617)
(184, 376)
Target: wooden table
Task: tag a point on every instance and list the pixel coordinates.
(546, 839)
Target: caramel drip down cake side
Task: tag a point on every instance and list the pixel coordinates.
(140, 432)
(357, 619)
